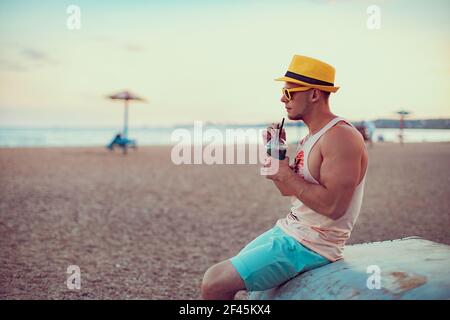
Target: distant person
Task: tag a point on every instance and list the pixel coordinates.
(401, 137)
(326, 194)
(380, 138)
(362, 130)
(370, 129)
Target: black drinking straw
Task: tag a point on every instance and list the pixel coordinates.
(281, 127)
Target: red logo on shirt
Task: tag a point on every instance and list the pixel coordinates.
(298, 164)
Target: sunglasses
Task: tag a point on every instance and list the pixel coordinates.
(287, 92)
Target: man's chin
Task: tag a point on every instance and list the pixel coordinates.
(295, 117)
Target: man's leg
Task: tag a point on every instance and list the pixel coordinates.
(221, 282)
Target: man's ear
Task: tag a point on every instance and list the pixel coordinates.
(314, 95)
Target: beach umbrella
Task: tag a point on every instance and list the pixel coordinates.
(402, 114)
(125, 96)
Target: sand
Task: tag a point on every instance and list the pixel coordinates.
(140, 227)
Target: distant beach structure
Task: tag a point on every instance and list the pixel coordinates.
(402, 114)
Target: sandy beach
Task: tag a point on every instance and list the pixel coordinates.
(140, 227)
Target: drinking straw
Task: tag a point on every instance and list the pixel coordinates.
(280, 131)
(282, 123)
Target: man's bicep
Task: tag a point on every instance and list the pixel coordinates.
(340, 172)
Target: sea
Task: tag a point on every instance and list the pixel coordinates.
(94, 137)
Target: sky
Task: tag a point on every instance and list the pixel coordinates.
(216, 60)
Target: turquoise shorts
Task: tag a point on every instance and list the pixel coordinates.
(272, 259)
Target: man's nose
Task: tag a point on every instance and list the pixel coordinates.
(283, 99)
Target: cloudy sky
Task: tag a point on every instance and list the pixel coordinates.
(216, 60)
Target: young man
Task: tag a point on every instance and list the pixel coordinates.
(325, 182)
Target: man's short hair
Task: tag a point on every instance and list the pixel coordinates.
(326, 95)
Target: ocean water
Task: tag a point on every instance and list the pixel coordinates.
(82, 137)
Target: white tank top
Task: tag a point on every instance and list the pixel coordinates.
(316, 231)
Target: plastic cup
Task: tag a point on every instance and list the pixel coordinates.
(272, 149)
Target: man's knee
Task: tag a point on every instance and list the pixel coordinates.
(220, 281)
(212, 282)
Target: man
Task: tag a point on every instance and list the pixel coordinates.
(325, 181)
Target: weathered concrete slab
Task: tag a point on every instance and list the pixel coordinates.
(410, 268)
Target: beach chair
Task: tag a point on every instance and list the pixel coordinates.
(404, 269)
(122, 142)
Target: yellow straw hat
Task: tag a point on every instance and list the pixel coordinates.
(310, 72)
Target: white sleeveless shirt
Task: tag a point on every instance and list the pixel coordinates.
(316, 231)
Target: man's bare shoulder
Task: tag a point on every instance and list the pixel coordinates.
(343, 138)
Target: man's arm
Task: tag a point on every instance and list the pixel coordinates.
(284, 189)
(339, 174)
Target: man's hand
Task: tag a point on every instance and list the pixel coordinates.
(284, 172)
(267, 135)
(273, 172)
